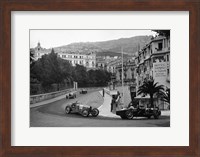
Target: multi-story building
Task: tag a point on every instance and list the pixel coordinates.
(129, 72)
(153, 61)
(100, 63)
(111, 66)
(87, 60)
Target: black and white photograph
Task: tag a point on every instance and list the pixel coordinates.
(99, 77)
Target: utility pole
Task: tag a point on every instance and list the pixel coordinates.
(122, 74)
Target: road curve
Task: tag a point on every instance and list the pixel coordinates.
(53, 115)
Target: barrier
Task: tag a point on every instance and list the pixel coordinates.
(41, 97)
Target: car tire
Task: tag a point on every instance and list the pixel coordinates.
(67, 109)
(149, 117)
(156, 116)
(129, 114)
(123, 117)
(85, 113)
(95, 112)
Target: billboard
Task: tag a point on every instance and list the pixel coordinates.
(160, 72)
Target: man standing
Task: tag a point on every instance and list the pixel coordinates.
(113, 101)
(103, 92)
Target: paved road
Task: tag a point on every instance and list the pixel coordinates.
(53, 115)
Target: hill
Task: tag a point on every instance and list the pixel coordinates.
(109, 48)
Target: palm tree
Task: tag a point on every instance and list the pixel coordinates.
(151, 88)
(165, 96)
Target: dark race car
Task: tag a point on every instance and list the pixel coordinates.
(71, 95)
(79, 108)
(130, 112)
(83, 91)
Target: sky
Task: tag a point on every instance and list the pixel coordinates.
(55, 38)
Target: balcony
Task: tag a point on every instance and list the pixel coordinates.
(162, 50)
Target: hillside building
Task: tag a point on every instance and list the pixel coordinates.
(87, 60)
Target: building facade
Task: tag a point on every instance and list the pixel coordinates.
(129, 72)
(87, 60)
(153, 62)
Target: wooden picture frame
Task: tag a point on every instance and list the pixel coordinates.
(6, 6)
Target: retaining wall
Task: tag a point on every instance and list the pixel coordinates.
(41, 97)
(46, 96)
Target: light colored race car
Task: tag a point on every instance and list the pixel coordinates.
(71, 95)
(81, 109)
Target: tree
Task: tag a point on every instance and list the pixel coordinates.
(51, 69)
(165, 33)
(32, 59)
(80, 75)
(151, 88)
(165, 96)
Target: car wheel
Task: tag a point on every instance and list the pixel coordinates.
(123, 117)
(156, 116)
(129, 114)
(67, 109)
(85, 113)
(95, 112)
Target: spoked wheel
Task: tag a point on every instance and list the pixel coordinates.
(85, 113)
(129, 114)
(67, 109)
(95, 112)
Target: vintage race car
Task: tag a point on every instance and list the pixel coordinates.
(71, 95)
(83, 91)
(79, 108)
(130, 112)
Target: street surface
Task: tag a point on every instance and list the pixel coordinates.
(53, 114)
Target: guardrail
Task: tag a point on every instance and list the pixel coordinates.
(41, 97)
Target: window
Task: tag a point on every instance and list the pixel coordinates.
(63, 56)
(167, 58)
(167, 71)
(159, 46)
(93, 64)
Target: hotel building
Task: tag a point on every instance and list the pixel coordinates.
(87, 60)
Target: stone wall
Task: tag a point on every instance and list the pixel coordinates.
(41, 97)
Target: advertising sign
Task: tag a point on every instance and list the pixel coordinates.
(160, 72)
